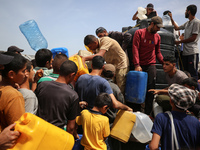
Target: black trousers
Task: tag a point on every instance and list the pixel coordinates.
(151, 70)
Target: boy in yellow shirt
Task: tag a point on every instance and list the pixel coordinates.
(95, 126)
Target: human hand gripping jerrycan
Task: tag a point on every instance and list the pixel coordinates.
(38, 134)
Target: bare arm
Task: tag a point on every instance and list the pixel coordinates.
(191, 39)
(154, 145)
(71, 126)
(100, 53)
(135, 16)
(8, 137)
(119, 105)
(163, 91)
(176, 27)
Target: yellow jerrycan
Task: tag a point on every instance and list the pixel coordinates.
(123, 125)
(38, 134)
(82, 68)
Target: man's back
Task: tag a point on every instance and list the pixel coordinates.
(57, 102)
(114, 53)
(89, 86)
(187, 130)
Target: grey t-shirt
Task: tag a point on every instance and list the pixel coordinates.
(178, 77)
(31, 101)
(191, 27)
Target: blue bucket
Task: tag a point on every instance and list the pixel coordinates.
(77, 145)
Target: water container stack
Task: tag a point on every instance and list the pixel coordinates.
(167, 49)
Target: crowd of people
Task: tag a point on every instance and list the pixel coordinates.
(46, 87)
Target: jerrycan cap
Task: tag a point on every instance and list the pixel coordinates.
(25, 118)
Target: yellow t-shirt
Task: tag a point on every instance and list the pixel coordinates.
(114, 53)
(95, 129)
(11, 106)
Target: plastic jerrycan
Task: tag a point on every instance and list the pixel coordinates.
(136, 86)
(38, 134)
(58, 50)
(33, 35)
(142, 128)
(81, 68)
(123, 125)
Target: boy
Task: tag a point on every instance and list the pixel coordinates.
(187, 128)
(57, 102)
(11, 100)
(95, 125)
(31, 101)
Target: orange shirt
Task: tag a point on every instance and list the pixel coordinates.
(11, 106)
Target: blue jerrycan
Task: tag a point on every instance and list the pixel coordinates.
(136, 86)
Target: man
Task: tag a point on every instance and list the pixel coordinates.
(57, 62)
(89, 86)
(191, 37)
(122, 38)
(150, 12)
(113, 54)
(15, 49)
(146, 48)
(31, 101)
(58, 103)
(109, 73)
(172, 74)
(187, 128)
(12, 101)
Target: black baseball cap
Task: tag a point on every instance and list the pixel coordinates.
(5, 59)
(14, 49)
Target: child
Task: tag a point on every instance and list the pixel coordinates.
(95, 125)
(187, 128)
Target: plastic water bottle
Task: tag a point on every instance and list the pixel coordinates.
(33, 35)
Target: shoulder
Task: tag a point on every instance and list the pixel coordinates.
(139, 31)
(10, 91)
(161, 117)
(181, 73)
(196, 21)
(22, 90)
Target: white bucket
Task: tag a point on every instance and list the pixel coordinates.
(142, 11)
(142, 127)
